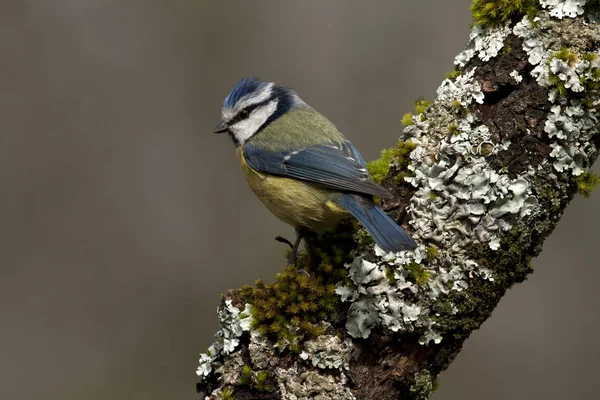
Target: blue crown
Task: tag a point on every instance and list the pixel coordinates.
(246, 85)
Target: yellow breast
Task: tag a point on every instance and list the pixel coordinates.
(295, 202)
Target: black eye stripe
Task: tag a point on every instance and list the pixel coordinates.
(245, 112)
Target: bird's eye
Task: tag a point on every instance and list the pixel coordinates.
(244, 113)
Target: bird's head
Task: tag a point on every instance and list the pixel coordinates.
(252, 105)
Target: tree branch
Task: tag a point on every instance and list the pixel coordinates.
(481, 177)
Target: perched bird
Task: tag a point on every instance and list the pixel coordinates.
(301, 167)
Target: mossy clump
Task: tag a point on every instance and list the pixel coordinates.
(568, 57)
(459, 109)
(421, 105)
(489, 13)
(402, 159)
(292, 307)
(419, 274)
(407, 119)
(432, 252)
(379, 168)
(454, 74)
(227, 394)
(589, 57)
(398, 155)
(565, 55)
(246, 376)
(586, 183)
(262, 381)
(390, 275)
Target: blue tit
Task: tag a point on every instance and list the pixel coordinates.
(301, 167)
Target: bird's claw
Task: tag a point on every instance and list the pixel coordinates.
(281, 239)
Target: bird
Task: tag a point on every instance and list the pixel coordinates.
(302, 167)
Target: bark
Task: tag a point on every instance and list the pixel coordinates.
(480, 178)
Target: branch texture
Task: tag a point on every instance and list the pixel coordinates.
(480, 176)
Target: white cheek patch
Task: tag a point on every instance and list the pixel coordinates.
(245, 129)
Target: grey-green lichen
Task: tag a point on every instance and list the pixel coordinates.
(485, 43)
(478, 225)
(572, 121)
(233, 324)
(294, 384)
(423, 385)
(461, 200)
(328, 351)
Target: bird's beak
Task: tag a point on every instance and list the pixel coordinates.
(222, 127)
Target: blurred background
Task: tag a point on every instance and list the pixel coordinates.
(122, 217)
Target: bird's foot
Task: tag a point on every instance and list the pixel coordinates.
(294, 254)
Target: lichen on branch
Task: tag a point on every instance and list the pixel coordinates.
(480, 177)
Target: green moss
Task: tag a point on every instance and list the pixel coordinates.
(459, 109)
(454, 74)
(292, 307)
(418, 272)
(453, 129)
(586, 183)
(227, 394)
(390, 275)
(246, 376)
(432, 252)
(399, 155)
(295, 348)
(507, 48)
(557, 83)
(565, 55)
(589, 57)
(402, 160)
(570, 58)
(379, 168)
(488, 13)
(421, 105)
(262, 381)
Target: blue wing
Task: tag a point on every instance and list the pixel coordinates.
(337, 166)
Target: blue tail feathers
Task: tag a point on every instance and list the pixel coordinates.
(384, 230)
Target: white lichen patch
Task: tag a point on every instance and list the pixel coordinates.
(460, 201)
(563, 70)
(464, 89)
(398, 294)
(485, 43)
(233, 323)
(553, 63)
(328, 351)
(517, 78)
(564, 8)
(297, 385)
